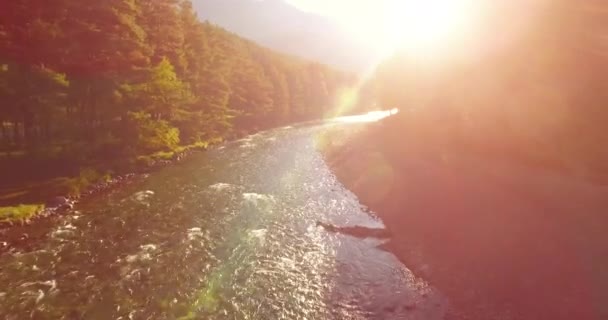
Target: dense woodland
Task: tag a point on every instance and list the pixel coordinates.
(536, 93)
(94, 79)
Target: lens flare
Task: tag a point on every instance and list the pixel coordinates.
(425, 25)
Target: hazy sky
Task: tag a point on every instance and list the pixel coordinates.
(361, 17)
(335, 8)
(349, 12)
(418, 26)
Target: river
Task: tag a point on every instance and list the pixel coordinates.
(226, 234)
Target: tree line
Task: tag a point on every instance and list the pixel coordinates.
(126, 77)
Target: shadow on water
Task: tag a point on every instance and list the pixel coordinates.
(228, 234)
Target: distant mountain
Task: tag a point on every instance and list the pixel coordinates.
(280, 26)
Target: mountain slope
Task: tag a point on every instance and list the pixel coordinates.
(282, 27)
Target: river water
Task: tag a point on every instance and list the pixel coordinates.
(227, 234)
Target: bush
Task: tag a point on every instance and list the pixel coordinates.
(87, 177)
(144, 161)
(164, 155)
(20, 213)
(153, 135)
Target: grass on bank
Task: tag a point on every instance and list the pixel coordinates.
(150, 160)
(42, 189)
(21, 212)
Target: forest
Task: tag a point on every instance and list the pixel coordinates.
(90, 81)
(95, 89)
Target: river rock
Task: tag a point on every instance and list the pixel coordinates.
(357, 231)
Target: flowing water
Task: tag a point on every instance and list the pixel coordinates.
(227, 234)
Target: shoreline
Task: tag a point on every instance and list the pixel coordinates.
(24, 235)
(483, 233)
(65, 202)
(129, 172)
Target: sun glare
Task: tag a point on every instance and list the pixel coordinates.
(424, 25)
(419, 26)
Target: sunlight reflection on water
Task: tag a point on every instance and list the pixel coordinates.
(244, 243)
(371, 116)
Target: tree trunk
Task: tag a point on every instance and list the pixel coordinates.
(27, 129)
(4, 141)
(46, 130)
(16, 134)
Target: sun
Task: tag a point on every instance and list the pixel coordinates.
(424, 26)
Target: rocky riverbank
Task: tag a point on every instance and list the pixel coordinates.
(65, 198)
(502, 241)
(61, 204)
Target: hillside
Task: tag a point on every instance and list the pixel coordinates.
(282, 27)
(122, 83)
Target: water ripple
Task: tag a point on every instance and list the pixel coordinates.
(199, 247)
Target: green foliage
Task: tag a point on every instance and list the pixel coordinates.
(144, 161)
(92, 82)
(87, 177)
(19, 213)
(153, 135)
(165, 32)
(164, 155)
(163, 93)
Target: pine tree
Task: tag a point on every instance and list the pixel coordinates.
(162, 24)
(163, 93)
(97, 74)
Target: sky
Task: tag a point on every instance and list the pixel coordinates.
(375, 29)
(310, 30)
(418, 25)
(337, 9)
(358, 16)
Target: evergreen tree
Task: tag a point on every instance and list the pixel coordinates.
(165, 33)
(163, 93)
(114, 76)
